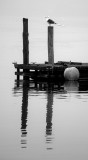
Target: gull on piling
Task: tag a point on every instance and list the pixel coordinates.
(51, 22)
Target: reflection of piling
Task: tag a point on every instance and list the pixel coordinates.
(49, 119)
(50, 46)
(49, 114)
(24, 115)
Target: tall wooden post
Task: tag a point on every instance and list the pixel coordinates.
(25, 47)
(50, 45)
(25, 42)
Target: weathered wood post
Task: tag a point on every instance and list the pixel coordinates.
(25, 42)
(25, 46)
(50, 46)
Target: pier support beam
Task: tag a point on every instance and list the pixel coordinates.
(50, 45)
(18, 77)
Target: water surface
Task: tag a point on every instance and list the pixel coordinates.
(45, 121)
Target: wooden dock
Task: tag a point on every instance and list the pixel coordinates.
(49, 71)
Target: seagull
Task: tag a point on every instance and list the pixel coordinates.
(50, 21)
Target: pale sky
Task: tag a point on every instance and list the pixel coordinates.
(70, 41)
(44, 7)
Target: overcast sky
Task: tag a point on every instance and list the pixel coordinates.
(71, 41)
(44, 7)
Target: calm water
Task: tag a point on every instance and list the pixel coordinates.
(44, 121)
(40, 120)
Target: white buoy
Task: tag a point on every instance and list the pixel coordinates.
(71, 74)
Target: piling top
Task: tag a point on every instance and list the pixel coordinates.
(25, 19)
(25, 25)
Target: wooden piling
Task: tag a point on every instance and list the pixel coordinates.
(25, 42)
(25, 47)
(50, 45)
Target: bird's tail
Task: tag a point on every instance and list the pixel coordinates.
(62, 25)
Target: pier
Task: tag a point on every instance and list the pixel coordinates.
(49, 71)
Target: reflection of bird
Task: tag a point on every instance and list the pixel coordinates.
(50, 21)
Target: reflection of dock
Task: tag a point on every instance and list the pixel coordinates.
(26, 87)
(37, 86)
(47, 86)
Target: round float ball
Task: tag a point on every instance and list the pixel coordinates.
(71, 73)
